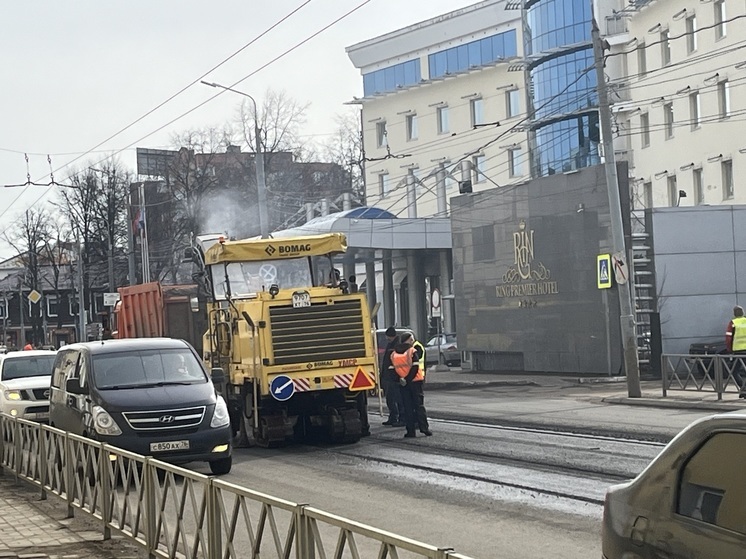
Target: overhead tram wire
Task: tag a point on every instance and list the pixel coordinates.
(275, 59)
(151, 111)
(454, 166)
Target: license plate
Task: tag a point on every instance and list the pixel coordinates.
(301, 299)
(169, 445)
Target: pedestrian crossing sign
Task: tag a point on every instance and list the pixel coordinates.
(603, 269)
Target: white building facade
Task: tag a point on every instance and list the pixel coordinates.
(443, 100)
(684, 102)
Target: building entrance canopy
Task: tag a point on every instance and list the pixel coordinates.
(374, 228)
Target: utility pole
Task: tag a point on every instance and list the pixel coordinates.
(22, 337)
(131, 275)
(627, 317)
(81, 298)
(261, 185)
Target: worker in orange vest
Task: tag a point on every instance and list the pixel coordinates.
(405, 359)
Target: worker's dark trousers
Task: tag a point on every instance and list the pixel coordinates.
(414, 407)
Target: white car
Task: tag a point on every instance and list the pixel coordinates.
(689, 503)
(25, 377)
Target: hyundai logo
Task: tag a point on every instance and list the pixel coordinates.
(166, 419)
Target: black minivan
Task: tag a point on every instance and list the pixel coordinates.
(151, 396)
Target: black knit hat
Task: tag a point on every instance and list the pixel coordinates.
(391, 332)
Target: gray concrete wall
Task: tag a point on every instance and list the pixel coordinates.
(700, 271)
(543, 312)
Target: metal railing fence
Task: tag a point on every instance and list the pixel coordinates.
(706, 373)
(173, 512)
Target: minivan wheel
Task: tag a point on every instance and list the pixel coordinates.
(222, 466)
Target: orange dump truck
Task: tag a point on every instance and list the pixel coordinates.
(153, 310)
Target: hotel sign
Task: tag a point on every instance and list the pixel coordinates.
(526, 277)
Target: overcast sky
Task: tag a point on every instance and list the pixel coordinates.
(76, 73)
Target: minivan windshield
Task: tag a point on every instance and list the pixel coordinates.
(31, 366)
(146, 368)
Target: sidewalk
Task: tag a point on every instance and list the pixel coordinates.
(34, 529)
(610, 390)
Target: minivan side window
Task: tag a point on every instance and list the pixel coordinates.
(711, 486)
(64, 368)
(82, 371)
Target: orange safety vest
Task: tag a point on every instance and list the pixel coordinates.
(402, 363)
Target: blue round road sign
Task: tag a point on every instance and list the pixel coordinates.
(282, 388)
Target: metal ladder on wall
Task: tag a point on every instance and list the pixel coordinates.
(643, 294)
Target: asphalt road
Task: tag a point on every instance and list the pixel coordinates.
(485, 490)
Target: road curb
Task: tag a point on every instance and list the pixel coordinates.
(455, 385)
(674, 404)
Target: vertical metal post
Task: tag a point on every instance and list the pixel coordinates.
(261, 186)
(664, 374)
(41, 461)
(106, 489)
(132, 275)
(81, 295)
(22, 337)
(214, 528)
(144, 236)
(18, 448)
(440, 190)
(411, 194)
(627, 318)
(3, 426)
(305, 547)
(718, 362)
(151, 538)
(69, 475)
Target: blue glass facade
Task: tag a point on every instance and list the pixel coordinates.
(558, 23)
(473, 54)
(562, 86)
(392, 78)
(567, 145)
(557, 88)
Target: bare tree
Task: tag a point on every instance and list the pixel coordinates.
(281, 119)
(28, 238)
(94, 204)
(345, 148)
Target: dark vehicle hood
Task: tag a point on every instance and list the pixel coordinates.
(157, 398)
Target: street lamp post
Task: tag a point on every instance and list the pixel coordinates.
(261, 187)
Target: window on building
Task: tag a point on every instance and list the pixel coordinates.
(392, 78)
(668, 120)
(479, 168)
(2, 310)
(383, 184)
(726, 169)
(720, 18)
(473, 54)
(381, 134)
(699, 195)
(51, 305)
(412, 132)
(513, 102)
(673, 190)
(72, 304)
(694, 110)
(691, 34)
(724, 98)
(665, 48)
(642, 60)
(483, 238)
(647, 192)
(443, 125)
(515, 162)
(645, 129)
(477, 111)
